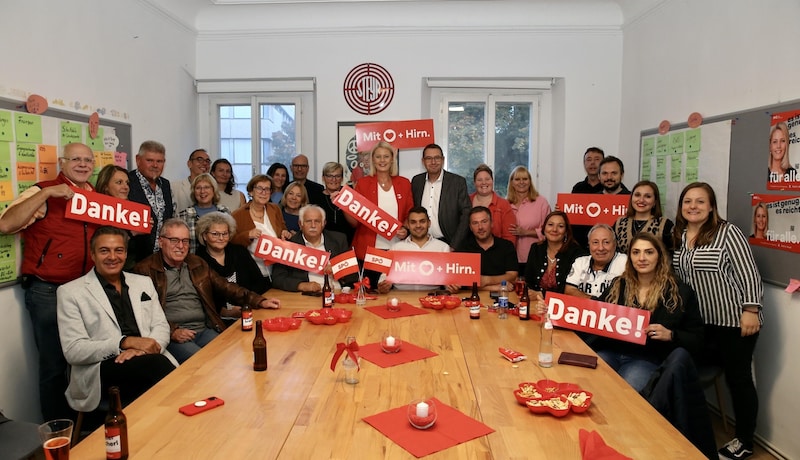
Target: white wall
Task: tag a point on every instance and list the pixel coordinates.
(419, 45)
(120, 55)
(716, 57)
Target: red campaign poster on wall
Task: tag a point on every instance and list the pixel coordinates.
(775, 221)
(590, 209)
(412, 267)
(98, 208)
(407, 134)
(783, 172)
(599, 318)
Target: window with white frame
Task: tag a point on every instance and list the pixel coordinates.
(493, 125)
(252, 131)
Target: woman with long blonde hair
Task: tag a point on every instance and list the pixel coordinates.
(648, 283)
(530, 210)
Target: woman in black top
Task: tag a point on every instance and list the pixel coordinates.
(550, 261)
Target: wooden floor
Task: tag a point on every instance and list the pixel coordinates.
(721, 437)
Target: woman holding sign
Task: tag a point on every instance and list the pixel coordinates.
(648, 283)
(712, 256)
(258, 217)
(390, 192)
(644, 215)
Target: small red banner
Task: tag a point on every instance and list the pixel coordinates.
(367, 212)
(590, 209)
(98, 208)
(377, 260)
(344, 264)
(292, 254)
(407, 134)
(599, 318)
(411, 267)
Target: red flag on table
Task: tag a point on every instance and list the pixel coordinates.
(378, 260)
(344, 264)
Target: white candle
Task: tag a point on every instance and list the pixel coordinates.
(390, 341)
(422, 410)
(394, 301)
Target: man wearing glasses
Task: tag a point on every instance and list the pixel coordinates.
(148, 187)
(444, 195)
(56, 251)
(187, 287)
(199, 163)
(300, 174)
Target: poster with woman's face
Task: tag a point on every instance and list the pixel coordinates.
(775, 221)
(784, 151)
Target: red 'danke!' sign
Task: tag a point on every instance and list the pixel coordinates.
(407, 134)
(590, 209)
(412, 267)
(98, 208)
(291, 254)
(367, 212)
(599, 318)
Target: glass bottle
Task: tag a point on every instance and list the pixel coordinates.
(259, 349)
(361, 295)
(327, 293)
(350, 366)
(502, 301)
(247, 318)
(546, 342)
(524, 304)
(474, 303)
(116, 428)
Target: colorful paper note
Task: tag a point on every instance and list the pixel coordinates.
(676, 142)
(70, 132)
(28, 128)
(5, 126)
(693, 137)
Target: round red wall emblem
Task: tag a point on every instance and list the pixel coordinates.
(368, 89)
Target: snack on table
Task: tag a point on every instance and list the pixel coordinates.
(578, 399)
(511, 355)
(529, 391)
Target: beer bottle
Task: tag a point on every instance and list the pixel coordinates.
(247, 318)
(474, 303)
(259, 349)
(116, 427)
(327, 293)
(524, 304)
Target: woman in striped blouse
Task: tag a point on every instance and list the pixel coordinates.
(714, 258)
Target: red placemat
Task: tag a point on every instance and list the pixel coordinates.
(406, 309)
(593, 447)
(409, 352)
(451, 428)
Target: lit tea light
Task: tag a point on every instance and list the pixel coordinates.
(390, 341)
(394, 301)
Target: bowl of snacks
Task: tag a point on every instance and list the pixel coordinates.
(450, 302)
(558, 406)
(537, 405)
(580, 401)
(341, 314)
(523, 395)
(330, 320)
(547, 387)
(294, 323)
(314, 316)
(431, 301)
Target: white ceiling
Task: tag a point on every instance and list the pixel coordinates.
(230, 16)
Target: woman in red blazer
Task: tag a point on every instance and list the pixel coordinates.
(392, 193)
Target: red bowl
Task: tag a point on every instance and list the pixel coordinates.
(270, 324)
(522, 400)
(329, 320)
(314, 316)
(294, 323)
(559, 411)
(548, 388)
(536, 405)
(451, 302)
(575, 401)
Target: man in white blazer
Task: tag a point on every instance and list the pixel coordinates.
(112, 328)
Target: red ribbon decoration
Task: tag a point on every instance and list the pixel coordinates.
(364, 281)
(351, 352)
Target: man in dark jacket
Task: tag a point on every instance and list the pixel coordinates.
(186, 287)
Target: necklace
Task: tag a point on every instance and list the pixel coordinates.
(638, 225)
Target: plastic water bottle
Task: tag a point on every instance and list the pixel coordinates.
(502, 301)
(546, 343)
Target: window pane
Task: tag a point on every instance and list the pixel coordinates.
(235, 141)
(512, 129)
(278, 127)
(466, 137)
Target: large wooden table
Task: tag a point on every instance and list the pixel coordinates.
(299, 409)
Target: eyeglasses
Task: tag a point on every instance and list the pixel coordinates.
(219, 235)
(79, 160)
(332, 176)
(300, 166)
(175, 241)
(258, 189)
(435, 159)
(202, 160)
